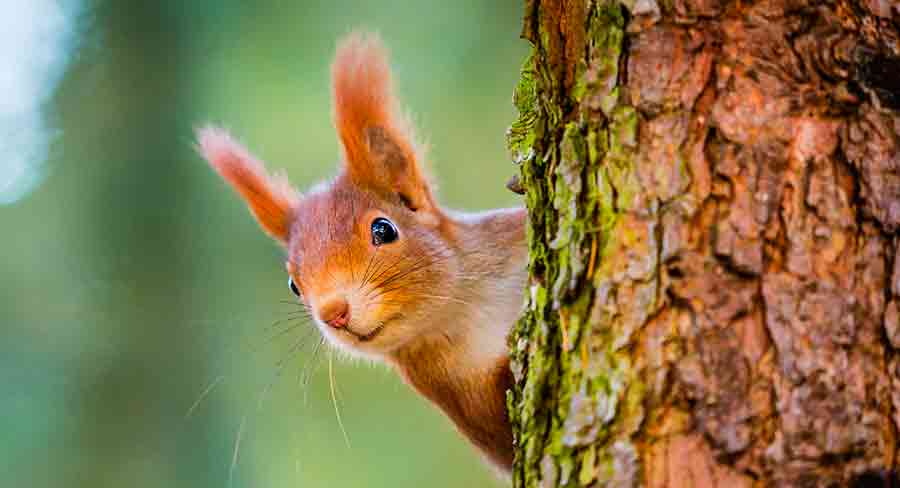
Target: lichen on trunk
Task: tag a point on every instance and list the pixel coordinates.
(574, 141)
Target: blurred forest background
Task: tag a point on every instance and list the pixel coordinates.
(133, 281)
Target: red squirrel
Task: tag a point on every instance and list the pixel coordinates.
(385, 271)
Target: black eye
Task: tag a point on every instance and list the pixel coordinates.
(383, 231)
(293, 286)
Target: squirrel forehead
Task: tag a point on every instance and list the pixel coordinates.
(328, 220)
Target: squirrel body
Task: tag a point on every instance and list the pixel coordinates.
(386, 272)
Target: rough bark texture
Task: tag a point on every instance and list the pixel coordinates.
(714, 198)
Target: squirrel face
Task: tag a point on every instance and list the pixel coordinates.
(370, 251)
(371, 270)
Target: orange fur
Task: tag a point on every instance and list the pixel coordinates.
(379, 146)
(437, 302)
(361, 81)
(270, 199)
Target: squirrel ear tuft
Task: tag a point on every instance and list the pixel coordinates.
(271, 199)
(378, 146)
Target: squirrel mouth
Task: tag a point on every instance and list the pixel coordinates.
(367, 336)
(374, 332)
(371, 335)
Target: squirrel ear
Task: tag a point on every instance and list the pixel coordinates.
(270, 199)
(378, 146)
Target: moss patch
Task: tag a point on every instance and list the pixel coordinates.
(576, 393)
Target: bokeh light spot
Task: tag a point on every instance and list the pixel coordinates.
(37, 39)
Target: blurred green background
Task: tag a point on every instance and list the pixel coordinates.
(133, 280)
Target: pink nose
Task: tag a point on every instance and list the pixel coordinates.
(335, 312)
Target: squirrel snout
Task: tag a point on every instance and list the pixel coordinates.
(335, 312)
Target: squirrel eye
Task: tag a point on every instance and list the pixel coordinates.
(293, 286)
(383, 231)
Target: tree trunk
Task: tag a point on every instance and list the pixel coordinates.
(714, 198)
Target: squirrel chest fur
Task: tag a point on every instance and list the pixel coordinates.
(386, 272)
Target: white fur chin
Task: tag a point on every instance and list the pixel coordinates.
(345, 346)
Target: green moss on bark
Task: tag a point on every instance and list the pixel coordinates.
(577, 397)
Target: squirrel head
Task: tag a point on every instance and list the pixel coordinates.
(370, 253)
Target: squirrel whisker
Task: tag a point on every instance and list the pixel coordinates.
(309, 366)
(420, 263)
(290, 329)
(280, 365)
(365, 276)
(387, 268)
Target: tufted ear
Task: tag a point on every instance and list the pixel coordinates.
(378, 146)
(270, 199)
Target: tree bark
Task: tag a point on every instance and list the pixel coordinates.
(714, 197)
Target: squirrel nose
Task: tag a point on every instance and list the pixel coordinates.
(335, 312)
